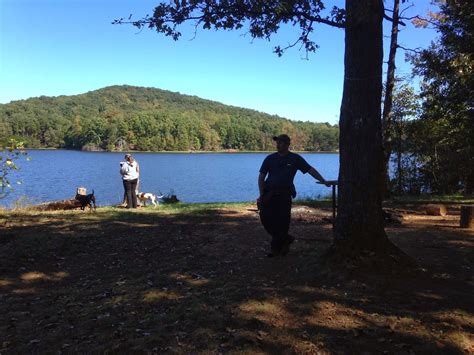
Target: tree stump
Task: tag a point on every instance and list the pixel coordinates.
(436, 210)
(467, 217)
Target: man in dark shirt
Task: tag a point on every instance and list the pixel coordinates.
(277, 190)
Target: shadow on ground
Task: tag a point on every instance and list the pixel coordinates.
(200, 282)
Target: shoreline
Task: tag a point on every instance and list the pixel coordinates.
(322, 202)
(162, 206)
(230, 151)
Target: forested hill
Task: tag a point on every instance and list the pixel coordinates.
(128, 117)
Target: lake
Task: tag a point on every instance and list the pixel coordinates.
(201, 177)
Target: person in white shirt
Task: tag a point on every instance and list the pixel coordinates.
(129, 170)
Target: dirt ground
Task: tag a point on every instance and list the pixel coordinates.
(147, 281)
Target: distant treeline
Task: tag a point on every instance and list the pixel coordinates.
(148, 119)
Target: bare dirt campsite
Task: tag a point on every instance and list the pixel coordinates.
(195, 279)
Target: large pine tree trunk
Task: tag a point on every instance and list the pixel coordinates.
(360, 222)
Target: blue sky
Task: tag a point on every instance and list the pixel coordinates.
(65, 47)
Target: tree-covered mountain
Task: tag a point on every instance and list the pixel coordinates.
(149, 119)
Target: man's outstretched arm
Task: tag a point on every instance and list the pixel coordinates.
(314, 173)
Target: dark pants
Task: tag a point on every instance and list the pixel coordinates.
(275, 215)
(130, 187)
(136, 191)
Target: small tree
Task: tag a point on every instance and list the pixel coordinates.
(388, 98)
(9, 154)
(405, 109)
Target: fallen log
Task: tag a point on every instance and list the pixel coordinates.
(70, 204)
(467, 217)
(436, 210)
(398, 215)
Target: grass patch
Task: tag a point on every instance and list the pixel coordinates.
(325, 202)
(100, 212)
(179, 208)
(197, 207)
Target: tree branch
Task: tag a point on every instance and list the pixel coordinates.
(420, 19)
(320, 20)
(416, 50)
(388, 18)
(262, 18)
(406, 8)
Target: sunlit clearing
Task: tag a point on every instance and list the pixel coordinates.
(159, 295)
(40, 276)
(4, 282)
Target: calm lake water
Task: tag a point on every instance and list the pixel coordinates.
(227, 177)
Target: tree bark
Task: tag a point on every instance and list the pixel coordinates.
(360, 222)
(388, 100)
